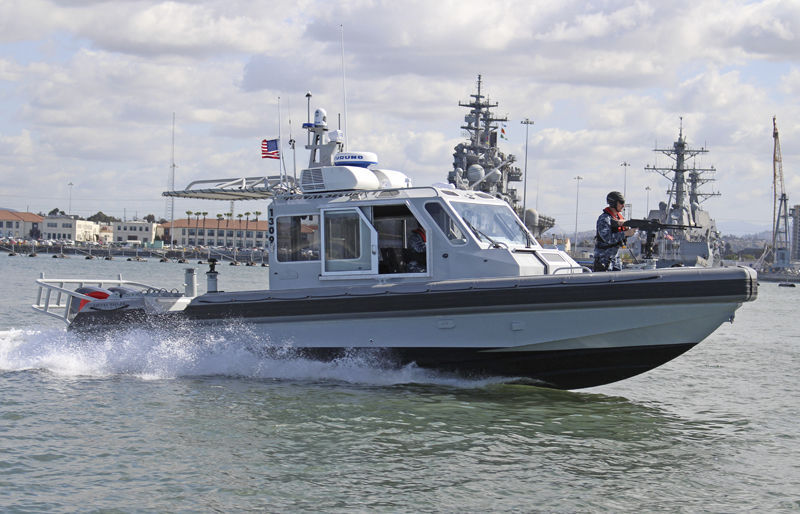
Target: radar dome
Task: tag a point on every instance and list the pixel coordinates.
(475, 173)
(320, 118)
(493, 176)
(531, 218)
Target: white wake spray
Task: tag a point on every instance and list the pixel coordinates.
(231, 350)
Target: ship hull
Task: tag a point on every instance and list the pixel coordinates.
(559, 369)
(565, 332)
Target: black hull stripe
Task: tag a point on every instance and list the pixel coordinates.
(733, 285)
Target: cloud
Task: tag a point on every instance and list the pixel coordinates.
(17, 148)
(790, 83)
(770, 29)
(91, 87)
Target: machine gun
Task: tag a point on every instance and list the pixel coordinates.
(652, 227)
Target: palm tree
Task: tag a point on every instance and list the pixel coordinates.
(204, 226)
(239, 225)
(228, 215)
(219, 219)
(197, 226)
(189, 219)
(257, 214)
(246, 226)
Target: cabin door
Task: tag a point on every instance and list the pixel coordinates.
(349, 243)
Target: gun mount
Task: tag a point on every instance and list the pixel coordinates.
(652, 228)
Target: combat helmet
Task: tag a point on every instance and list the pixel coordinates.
(613, 197)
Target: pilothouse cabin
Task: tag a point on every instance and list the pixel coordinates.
(348, 222)
(349, 236)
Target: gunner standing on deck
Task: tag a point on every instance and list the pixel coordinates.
(611, 234)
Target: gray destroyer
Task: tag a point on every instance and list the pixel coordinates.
(699, 243)
(480, 165)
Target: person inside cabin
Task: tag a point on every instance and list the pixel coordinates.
(417, 250)
(611, 234)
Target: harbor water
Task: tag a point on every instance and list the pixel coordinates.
(163, 422)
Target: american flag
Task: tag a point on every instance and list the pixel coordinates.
(269, 149)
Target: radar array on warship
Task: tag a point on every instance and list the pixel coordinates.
(479, 164)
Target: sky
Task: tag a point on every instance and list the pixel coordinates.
(88, 89)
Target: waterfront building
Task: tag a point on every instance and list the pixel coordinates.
(63, 227)
(20, 225)
(106, 233)
(226, 233)
(136, 232)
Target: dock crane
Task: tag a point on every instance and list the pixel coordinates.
(779, 249)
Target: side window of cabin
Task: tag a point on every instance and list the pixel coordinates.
(396, 226)
(348, 242)
(298, 238)
(445, 222)
(342, 234)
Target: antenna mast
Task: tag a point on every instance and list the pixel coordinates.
(344, 90)
(171, 201)
(281, 163)
(292, 141)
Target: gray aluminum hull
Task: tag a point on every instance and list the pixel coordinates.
(567, 331)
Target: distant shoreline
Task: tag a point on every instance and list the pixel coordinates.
(115, 252)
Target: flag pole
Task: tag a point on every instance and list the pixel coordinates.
(281, 167)
(292, 141)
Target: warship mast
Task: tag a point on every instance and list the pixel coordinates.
(677, 175)
(479, 165)
(700, 244)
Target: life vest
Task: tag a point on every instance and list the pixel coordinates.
(618, 223)
(421, 232)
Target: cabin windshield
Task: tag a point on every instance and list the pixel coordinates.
(493, 223)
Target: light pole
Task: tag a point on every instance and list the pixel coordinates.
(69, 204)
(577, 197)
(527, 123)
(625, 186)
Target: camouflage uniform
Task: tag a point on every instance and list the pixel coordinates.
(608, 241)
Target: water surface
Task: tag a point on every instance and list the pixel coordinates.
(141, 421)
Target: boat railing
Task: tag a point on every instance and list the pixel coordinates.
(56, 296)
(238, 188)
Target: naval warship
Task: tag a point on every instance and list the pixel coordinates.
(699, 244)
(479, 165)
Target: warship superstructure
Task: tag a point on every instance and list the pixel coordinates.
(699, 245)
(480, 165)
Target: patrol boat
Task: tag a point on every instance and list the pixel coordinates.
(487, 299)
